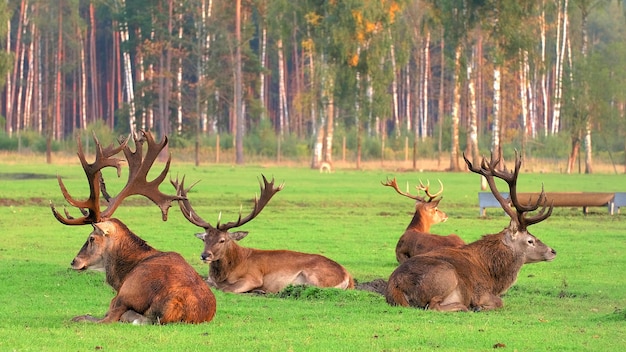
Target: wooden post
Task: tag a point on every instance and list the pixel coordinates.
(217, 149)
(343, 150)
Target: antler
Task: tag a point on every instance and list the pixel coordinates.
(518, 216)
(136, 185)
(93, 173)
(394, 184)
(267, 192)
(421, 187)
(185, 206)
(138, 171)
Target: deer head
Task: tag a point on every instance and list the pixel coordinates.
(426, 207)
(516, 234)
(218, 238)
(90, 256)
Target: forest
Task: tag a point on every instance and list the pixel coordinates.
(306, 79)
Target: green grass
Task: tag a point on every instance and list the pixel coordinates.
(576, 302)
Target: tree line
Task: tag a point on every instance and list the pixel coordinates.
(386, 69)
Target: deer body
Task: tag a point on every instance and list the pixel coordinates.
(240, 269)
(152, 286)
(476, 275)
(161, 287)
(234, 268)
(417, 238)
(471, 277)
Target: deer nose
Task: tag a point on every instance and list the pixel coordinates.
(206, 256)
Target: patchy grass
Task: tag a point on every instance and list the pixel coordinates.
(576, 302)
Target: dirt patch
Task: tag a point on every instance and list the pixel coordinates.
(377, 286)
(24, 176)
(8, 202)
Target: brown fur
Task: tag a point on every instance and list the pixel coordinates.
(417, 238)
(238, 269)
(477, 274)
(152, 286)
(234, 268)
(470, 277)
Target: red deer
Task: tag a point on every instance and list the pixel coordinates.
(238, 269)
(417, 238)
(152, 286)
(477, 274)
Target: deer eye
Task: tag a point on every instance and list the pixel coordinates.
(91, 239)
(222, 240)
(531, 241)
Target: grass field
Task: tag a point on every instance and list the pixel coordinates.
(577, 302)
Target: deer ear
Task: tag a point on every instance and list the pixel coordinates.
(103, 228)
(201, 235)
(238, 235)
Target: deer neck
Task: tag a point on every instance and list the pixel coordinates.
(127, 252)
(233, 256)
(420, 221)
(500, 260)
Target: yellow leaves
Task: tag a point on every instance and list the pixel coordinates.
(353, 60)
(312, 18)
(308, 45)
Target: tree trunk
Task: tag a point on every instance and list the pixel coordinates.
(282, 92)
(472, 132)
(456, 107)
(495, 134)
(238, 103)
(128, 73)
(561, 46)
(328, 145)
(59, 63)
(425, 79)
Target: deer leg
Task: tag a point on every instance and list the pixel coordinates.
(85, 318)
(437, 303)
(244, 284)
(488, 301)
(130, 316)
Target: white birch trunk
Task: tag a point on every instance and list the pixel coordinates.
(561, 49)
(394, 87)
(83, 81)
(523, 91)
(425, 80)
(544, 79)
(282, 99)
(407, 94)
(472, 144)
(262, 75)
(128, 73)
(495, 133)
(179, 76)
(30, 79)
(456, 108)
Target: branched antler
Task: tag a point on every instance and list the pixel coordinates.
(267, 192)
(136, 185)
(394, 184)
(519, 218)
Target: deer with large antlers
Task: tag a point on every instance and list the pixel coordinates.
(238, 269)
(477, 274)
(417, 238)
(152, 286)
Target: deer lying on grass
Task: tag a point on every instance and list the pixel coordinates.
(239, 269)
(417, 238)
(152, 286)
(477, 274)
